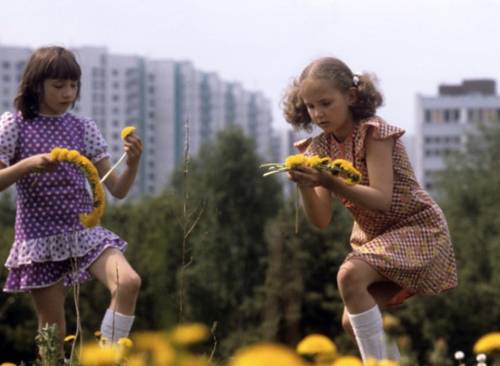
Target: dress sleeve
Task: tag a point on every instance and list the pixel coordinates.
(96, 147)
(381, 131)
(8, 137)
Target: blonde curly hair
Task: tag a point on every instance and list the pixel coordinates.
(368, 98)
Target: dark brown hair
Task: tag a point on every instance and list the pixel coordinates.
(44, 63)
(368, 98)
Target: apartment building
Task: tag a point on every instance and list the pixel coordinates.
(445, 121)
(162, 98)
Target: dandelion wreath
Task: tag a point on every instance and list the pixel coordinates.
(88, 169)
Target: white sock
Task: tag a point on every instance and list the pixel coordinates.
(392, 350)
(120, 322)
(369, 332)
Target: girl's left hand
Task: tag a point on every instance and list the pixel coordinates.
(133, 148)
(308, 177)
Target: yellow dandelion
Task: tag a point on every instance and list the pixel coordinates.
(390, 323)
(387, 363)
(347, 361)
(7, 364)
(294, 161)
(136, 360)
(371, 362)
(190, 360)
(96, 355)
(156, 342)
(69, 338)
(125, 342)
(315, 161)
(185, 334)
(55, 153)
(265, 354)
(73, 156)
(316, 344)
(127, 131)
(488, 343)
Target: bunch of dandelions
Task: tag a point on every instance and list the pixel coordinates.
(338, 167)
(89, 170)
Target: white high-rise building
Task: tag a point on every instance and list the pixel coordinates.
(12, 62)
(161, 98)
(444, 122)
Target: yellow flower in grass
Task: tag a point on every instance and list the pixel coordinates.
(95, 355)
(69, 338)
(157, 344)
(74, 157)
(266, 354)
(387, 363)
(488, 343)
(127, 131)
(125, 342)
(294, 161)
(186, 334)
(347, 361)
(8, 364)
(315, 344)
(191, 360)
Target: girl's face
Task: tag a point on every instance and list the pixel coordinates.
(57, 96)
(328, 107)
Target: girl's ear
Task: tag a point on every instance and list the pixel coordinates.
(352, 95)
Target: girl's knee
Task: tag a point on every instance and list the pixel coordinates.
(347, 276)
(130, 284)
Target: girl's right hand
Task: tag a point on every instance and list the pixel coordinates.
(40, 163)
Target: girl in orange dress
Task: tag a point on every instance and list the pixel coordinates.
(400, 240)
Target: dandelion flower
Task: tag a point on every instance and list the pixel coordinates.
(125, 342)
(127, 131)
(316, 344)
(266, 354)
(348, 361)
(95, 355)
(294, 161)
(488, 343)
(189, 333)
(69, 338)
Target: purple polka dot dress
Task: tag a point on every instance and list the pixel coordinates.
(50, 243)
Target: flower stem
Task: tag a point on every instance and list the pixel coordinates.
(113, 167)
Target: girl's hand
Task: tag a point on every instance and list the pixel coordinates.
(40, 163)
(133, 148)
(308, 177)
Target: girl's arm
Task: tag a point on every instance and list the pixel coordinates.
(119, 186)
(376, 196)
(317, 203)
(11, 174)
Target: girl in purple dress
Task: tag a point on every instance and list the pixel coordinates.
(51, 248)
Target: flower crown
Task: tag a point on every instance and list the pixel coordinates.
(85, 165)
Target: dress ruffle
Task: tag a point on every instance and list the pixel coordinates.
(381, 131)
(59, 247)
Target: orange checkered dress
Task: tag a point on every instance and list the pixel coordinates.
(409, 245)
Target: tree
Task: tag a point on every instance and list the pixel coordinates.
(228, 247)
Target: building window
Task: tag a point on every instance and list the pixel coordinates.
(427, 115)
(6, 65)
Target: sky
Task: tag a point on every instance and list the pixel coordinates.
(411, 46)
